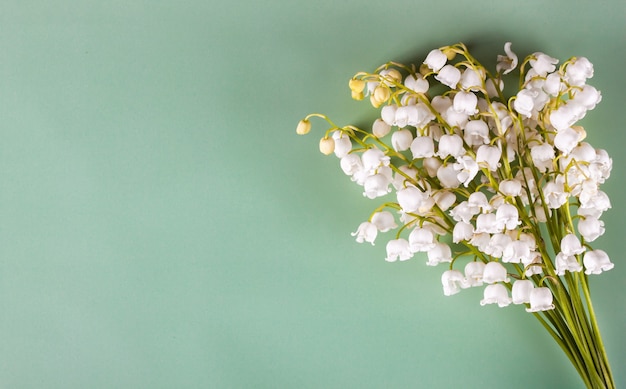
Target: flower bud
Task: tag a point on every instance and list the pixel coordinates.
(357, 95)
(450, 53)
(304, 126)
(356, 86)
(380, 95)
(392, 75)
(327, 145)
(380, 128)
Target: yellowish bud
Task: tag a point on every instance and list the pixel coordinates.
(581, 132)
(450, 53)
(304, 126)
(357, 95)
(424, 69)
(327, 145)
(380, 95)
(356, 86)
(394, 75)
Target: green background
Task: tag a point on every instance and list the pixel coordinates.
(162, 225)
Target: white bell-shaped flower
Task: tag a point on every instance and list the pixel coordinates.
(447, 176)
(444, 199)
(567, 115)
(432, 165)
(449, 76)
(597, 261)
(600, 202)
(384, 221)
(543, 64)
(465, 103)
(583, 152)
(366, 233)
(533, 265)
(476, 133)
(376, 185)
(486, 222)
(495, 272)
(590, 228)
(480, 241)
(462, 232)
(401, 140)
(553, 84)
(496, 294)
(417, 83)
(373, 159)
(441, 104)
(438, 254)
(588, 97)
(411, 198)
(463, 212)
(563, 263)
(540, 299)
(399, 180)
(420, 115)
(478, 201)
(343, 145)
(566, 140)
(489, 157)
(402, 116)
(524, 102)
(507, 217)
(380, 128)
(422, 147)
(467, 169)
(570, 245)
(521, 291)
(507, 62)
(517, 251)
(554, 194)
(435, 60)
(350, 164)
(542, 156)
(450, 144)
(474, 273)
(421, 239)
(398, 249)
(578, 71)
(455, 118)
(497, 244)
(452, 281)
(471, 80)
(511, 188)
(388, 114)
(492, 88)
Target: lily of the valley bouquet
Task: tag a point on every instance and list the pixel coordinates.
(503, 191)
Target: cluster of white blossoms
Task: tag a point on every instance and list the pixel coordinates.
(505, 191)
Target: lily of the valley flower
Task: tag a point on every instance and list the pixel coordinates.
(495, 272)
(521, 291)
(366, 232)
(449, 76)
(435, 60)
(507, 63)
(398, 249)
(597, 261)
(540, 300)
(496, 294)
(452, 281)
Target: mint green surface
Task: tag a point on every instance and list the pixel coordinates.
(162, 225)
